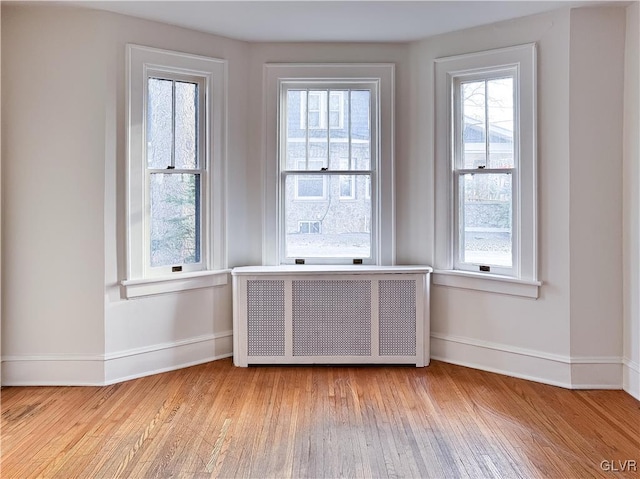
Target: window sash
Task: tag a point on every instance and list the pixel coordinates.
(345, 166)
(459, 170)
(200, 170)
(459, 210)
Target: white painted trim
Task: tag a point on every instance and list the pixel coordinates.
(533, 365)
(523, 57)
(55, 357)
(111, 368)
(53, 370)
(161, 346)
(135, 288)
(315, 269)
(487, 282)
(384, 74)
(631, 377)
(213, 75)
(139, 362)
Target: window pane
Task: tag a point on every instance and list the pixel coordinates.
(345, 230)
(296, 120)
(175, 219)
(472, 98)
(186, 125)
(486, 219)
(159, 122)
(500, 109)
(317, 131)
(360, 130)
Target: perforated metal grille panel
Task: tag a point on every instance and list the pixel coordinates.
(331, 318)
(265, 322)
(397, 313)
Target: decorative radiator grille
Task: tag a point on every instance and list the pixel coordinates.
(265, 317)
(397, 316)
(331, 317)
(322, 315)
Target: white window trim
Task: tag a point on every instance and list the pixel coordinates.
(525, 282)
(384, 74)
(140, 61)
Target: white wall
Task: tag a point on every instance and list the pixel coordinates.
(0, 193)
(159, 332)
(53, 171)
(64, 320)
(595, 98)
(631, 211)
(518, 336)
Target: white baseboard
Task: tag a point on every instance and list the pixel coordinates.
(137, 363)
(53, 370)
(100, 370)
(556, 370)
(631, 377)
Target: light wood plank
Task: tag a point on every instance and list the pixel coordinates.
(216, 420)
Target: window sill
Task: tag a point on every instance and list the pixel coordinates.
(135, 288)
(487, 282)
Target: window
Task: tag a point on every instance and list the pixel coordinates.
(348, 182)
(347, 187)
(175, 160)
(313, 210)
(486, 167)
(309, 227)
(317, 104)
(315, 162)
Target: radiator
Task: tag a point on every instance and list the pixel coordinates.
(328, 315)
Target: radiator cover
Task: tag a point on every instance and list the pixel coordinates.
(303, 315)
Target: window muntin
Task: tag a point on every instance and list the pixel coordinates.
(310, 161)
(484, 161)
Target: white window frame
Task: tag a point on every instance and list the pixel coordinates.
(383, 221)
(521, 280)
(143, 63)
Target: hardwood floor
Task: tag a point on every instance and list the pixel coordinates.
(216, 420)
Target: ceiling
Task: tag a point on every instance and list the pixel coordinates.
(324, 21)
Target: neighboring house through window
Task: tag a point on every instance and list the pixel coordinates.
(314, 106)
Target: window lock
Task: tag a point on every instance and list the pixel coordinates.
(485, 269)
(299, 261)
